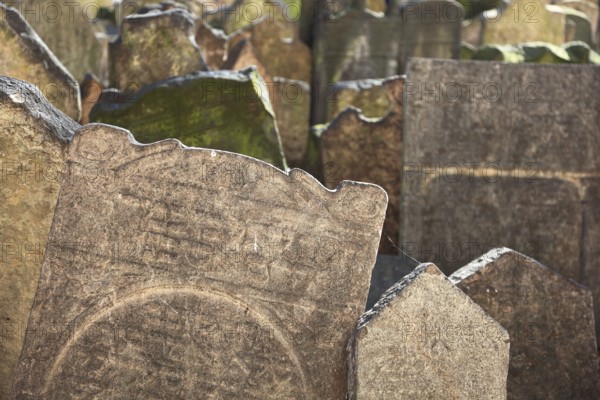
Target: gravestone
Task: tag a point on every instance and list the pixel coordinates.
(213, 44)
(33, 137)
(577, 25)
(589, 8)
(220, 109)
(369, 151)
(178, 271)
(490, 160)
(69, 30)
(430, 29)
(292, 112)
(357, 44)
(368, 95)
(523, 21)
(243, 55)
(550, 320)
(278, 48)
(388, 270)
(425, 339)
(152, 47)
(26, 57)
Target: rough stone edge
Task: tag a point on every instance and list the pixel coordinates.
(388, 298)
(28, 36)
(27, 97)
(493, 256)
(295, 174)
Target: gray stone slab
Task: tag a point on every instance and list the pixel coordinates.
(388, 270)
(425, 339)
(33, 138)
(550, 320)
(175, 271)
(508, 114)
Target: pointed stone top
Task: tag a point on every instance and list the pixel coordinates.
(506, 258)
(27, 97)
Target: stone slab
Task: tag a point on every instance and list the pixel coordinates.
(550, 320)
(174, 271)
(425, 339)
(33, 139)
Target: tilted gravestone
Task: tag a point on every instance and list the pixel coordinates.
(220, 109)
(278, 48)
(153, 47)
(550, 320)
(491, 160)
(430, 29)
(369, 151)
(357, 44)
(69, 30)
(213, 44)
(425, 339)
(174, 271)
(26, 57)
(33, 137)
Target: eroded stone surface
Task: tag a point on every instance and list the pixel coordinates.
(591, 238)
(550, 320)
(33, 137)
(154, 46)
(68, 30)
(220, 110)
(426, 339)
(371, 151)
(388, 270)
(25, 56)
(368, 95)
(177, 271)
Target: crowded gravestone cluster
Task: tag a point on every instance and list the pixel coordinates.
(282, 200)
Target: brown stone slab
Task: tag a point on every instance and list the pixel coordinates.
(67, 27)
(353, 147)
(25, 56)
(91, 90)
(154, 46)
(213, 44)
(425, 339)
(176, 271)
(550, 320)
(33, 137)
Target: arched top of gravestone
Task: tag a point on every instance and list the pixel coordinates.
(29, 100)
(68, 97)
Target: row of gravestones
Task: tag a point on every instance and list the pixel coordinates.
(160, 271)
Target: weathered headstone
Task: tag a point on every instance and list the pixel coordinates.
(550, 320)
(358, 44)
(291, 102)
(425, 339)
(369, 151)
(152, 47)
(523, 21)
(177, 271)
(213, 44)
(68, 28)
(368, 95)
(587, 7)
(26, 57)
(278, 48)
(388, 270)
(491, 160)
(577, 25)
(222, 110)
(243, 55)
(591, 238)
(430, 29)
(33, 136)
